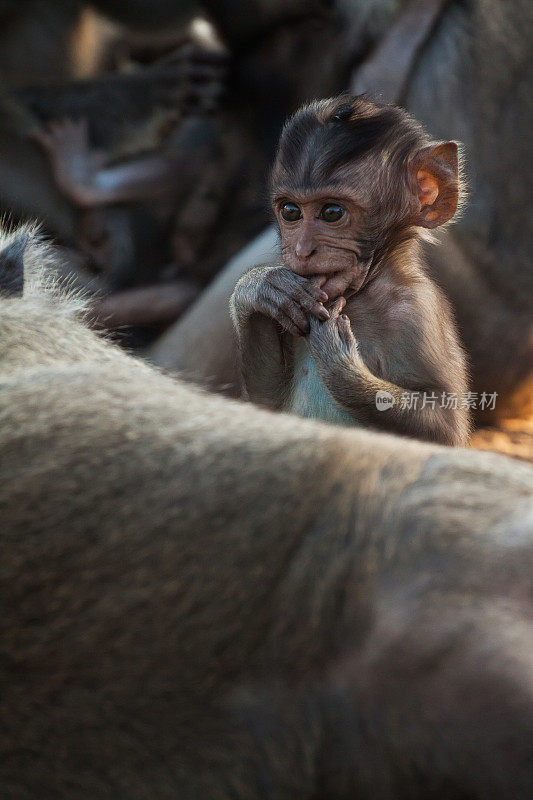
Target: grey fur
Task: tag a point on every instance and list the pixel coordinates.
(205, 600)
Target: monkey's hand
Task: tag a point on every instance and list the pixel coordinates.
(281, 295)
(73, 161)
(333, 345)
(201, 77)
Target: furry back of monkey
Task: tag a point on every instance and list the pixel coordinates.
(205, 600)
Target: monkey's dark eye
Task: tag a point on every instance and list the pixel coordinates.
(332, 212)
(290, 212)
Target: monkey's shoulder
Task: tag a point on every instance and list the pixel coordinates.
(398, 324)
(389, 306)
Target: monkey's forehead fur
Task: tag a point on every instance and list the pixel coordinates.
(325, 135)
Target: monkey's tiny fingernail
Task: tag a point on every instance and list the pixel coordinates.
(323, 296)
(323, 314)
(344, 317)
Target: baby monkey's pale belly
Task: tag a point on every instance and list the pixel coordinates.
(309, 397)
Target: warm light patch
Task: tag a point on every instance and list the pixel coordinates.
(428, 190)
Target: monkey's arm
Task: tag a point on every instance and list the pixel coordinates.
(354, 387)
(81, 175)
(142, 178)
(269, 302)
(263, 359)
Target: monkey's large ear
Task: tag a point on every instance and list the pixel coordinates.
(12, 267)
(435, 180)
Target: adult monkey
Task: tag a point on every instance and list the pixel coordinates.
(488, 274)
(469, 82)
(353, 185)
(202, 600)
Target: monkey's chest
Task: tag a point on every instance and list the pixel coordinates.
(309, 397)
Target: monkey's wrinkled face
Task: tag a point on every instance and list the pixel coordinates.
(319, 237)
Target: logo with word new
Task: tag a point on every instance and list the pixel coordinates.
(384, 400)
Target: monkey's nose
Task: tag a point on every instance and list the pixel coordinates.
(304, 251)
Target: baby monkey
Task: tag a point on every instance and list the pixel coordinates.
(351, 329)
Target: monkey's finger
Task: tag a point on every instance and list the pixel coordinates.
(292, 320)
(336, 307)
(317, 310)
(288, 325)
(308, 288)
(315, 288)
(317, 293)
(297, 288)
(309, 304)
(318, 281)
(345, 331)
(279, 306)
(295, 313)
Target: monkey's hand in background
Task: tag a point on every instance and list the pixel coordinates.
(280, 294)
(73, 161)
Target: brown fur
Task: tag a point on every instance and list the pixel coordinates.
(397, 335)
(200, 600)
